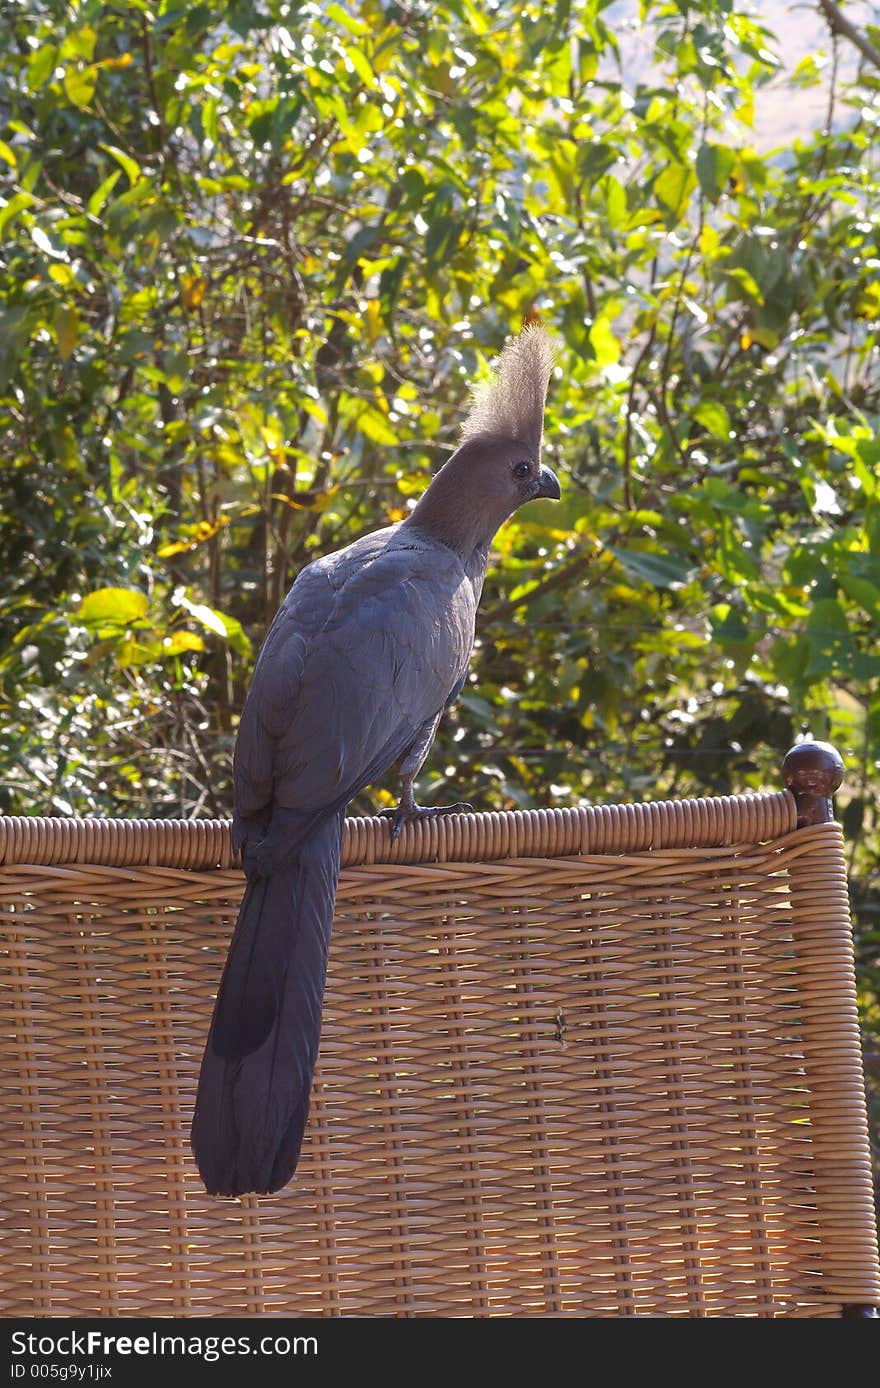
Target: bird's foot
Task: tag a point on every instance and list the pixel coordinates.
(408, 812)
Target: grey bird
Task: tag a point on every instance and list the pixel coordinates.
(370, 646)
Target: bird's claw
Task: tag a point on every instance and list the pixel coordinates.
(402, 814)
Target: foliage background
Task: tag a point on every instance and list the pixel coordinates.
(251, 255)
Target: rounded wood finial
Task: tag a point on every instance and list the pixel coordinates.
(812, 772)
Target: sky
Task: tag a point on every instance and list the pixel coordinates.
(781, 114)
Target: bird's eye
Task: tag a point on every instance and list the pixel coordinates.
(522, 470)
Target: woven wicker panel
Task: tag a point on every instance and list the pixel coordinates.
(613, 1083)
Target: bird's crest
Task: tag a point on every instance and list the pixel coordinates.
(511, 403)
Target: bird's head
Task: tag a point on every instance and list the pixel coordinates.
(498, 466)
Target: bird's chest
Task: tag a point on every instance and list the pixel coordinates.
(438, 630)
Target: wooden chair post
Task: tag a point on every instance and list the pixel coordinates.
(813, 772)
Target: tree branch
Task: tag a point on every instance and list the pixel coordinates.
(839, 24)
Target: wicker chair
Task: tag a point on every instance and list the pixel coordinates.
(596, 1063)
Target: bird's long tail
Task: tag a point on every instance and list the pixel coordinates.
(253, 1095)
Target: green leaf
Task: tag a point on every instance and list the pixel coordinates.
(866, 463)
(102, 192)
(830, 640)
(672, 189)
(236, 635)
(131, 167)
(360, 65)
(131, 653)
(604, 343)
(79, 84)
(615, 201)
(714, 419)
(863, 592)
(807, 73)
(79, 43)
(747, 282)
(348, 21)
(789, 659)
(715, 164)
(41, 65)
(375, 427)
(113, 606)
(729, 626)
(480, 708)
(660, 570)
(444, 234)
(9, 210)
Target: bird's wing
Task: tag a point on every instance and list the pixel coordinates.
(368, 645)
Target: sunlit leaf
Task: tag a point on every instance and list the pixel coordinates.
(351, 22)
(180, 641)
(79, 84)
(125, 161)
(220, 624)
(714, 418)
(65, 321)
(868, 305)
(360, 64)
(604, 343)
(114, 606)
(41, 65)
(102, 192)
(131, 653)
(673, 190)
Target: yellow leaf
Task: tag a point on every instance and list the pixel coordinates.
(195, 535)
(360, 64)
(620, 592)
(65, 321)
(272, 437)
(745, 341)
(869, 304)
(709, 241)
(192, 291)
(372, 425)
(307, 501)
(373, 316)
(746, 112)
(604, 343)
(182, 641)
(65, 444)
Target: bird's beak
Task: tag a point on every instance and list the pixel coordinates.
(548, 484)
